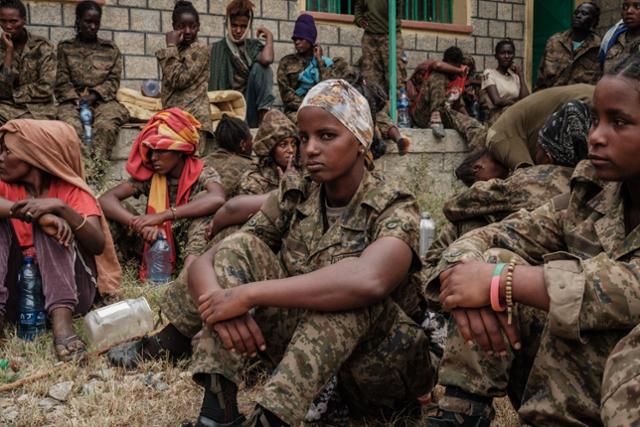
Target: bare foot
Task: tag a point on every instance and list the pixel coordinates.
(67, 344)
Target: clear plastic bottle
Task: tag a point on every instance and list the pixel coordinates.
(118, 322)
(427, 233)
(158, 259)
(86, 118)
(32, 319)
(404, 120)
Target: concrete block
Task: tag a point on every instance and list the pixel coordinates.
(107, 35)
(211, 25)
(467, 44)
(57, 34)
(269, 24)
(69, 14)
(115, 18)
(487, 9)
(135, 3)
(480, 27)
(350, 36)
(505, 11)
(327, 34)
(275, 9)
(341, 51)
(218, 7)
(514, 30)
(497, 29)
(147, 21)
(285, 31)
(518, 12)
(165, 20)
(154, 42)
(356, 53)
(445, 42)
(426, 41)
(281, 49)
(140, 67)
(39, 31)
(484, 46)
(130, 42)
(45, 13)
(409, 41)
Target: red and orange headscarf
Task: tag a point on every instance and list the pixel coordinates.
(171, 129)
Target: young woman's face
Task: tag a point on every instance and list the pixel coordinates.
(88, 25)
(631, 14)
(239, 25)
(487, 168)
(284, 151)
(328, 150)
(12, 169)
(189, 25)
(163, 162)
(505, 56)
(302, 45)
(11, 21)
(614, 137)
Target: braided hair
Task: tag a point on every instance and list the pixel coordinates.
(231, 131)
(14, 4)
(85, 6)
(182, 7)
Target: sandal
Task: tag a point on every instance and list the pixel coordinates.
(64, 352)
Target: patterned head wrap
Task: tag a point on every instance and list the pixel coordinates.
(346, 104)
(564, 136)
(275, 127)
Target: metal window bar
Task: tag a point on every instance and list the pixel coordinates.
(413, 10)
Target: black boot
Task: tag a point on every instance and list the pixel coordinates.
(219, 404)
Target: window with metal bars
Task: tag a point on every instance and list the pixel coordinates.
(412, 10)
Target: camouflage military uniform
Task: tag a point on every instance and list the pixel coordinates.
(230, 166)
(290, 68)
(26, 89)
(486, 202)
(621, 384)
(381, 356)
(97, 68)
(620, 51)
(562, 66)
(185, 78)
(591, 275)
(375, 42)
(188, 233)
(432, 96)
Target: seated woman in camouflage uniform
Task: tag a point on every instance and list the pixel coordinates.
(181, 192)
(306, 283)
(275, 145)
(575, 297)
(89, 69)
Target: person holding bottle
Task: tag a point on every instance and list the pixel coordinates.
(181, 191)
(47, 208)
(89, 70)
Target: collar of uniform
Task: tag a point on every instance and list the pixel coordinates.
(99, 41)
(589, 41)
(368, 194)
(585, 172)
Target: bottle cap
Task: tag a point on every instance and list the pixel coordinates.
(150, 88)
(425, 215)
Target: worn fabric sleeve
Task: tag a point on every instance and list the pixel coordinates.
(109, 88)
(64, 89)
(290, 100)
(400, 220)
(40, 91)
(179, 72)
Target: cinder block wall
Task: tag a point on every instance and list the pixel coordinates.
(138, 27)
(610, 13)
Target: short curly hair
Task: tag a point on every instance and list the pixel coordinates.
(240, 8)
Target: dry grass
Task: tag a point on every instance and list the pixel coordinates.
(119, 398)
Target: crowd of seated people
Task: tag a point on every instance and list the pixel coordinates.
(290, 248)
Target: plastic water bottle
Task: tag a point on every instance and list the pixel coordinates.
(158, 259)
(118, 322)
(427, 233)
(32, 319)
(404, 120)
(86, 118)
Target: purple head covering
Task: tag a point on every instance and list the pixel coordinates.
(305, 29)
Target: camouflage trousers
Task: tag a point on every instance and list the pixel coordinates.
(381, 356)
(551, 380)
(432, 97)
(621, 383)
(108, 117)
(375, 60)
(474, 132)
(11, 111)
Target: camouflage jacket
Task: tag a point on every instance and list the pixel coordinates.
(561, 65)
(30, 79)
(230, 166)
(258, 180)
(290, 68)
(96, 67)
(185, 78)
(292, 222)
(486, 202)
(620, 51)
(591, 268)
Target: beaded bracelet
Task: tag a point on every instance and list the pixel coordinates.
(508, 290)
(494, 291)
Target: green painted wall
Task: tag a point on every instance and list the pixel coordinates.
(549, 17)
